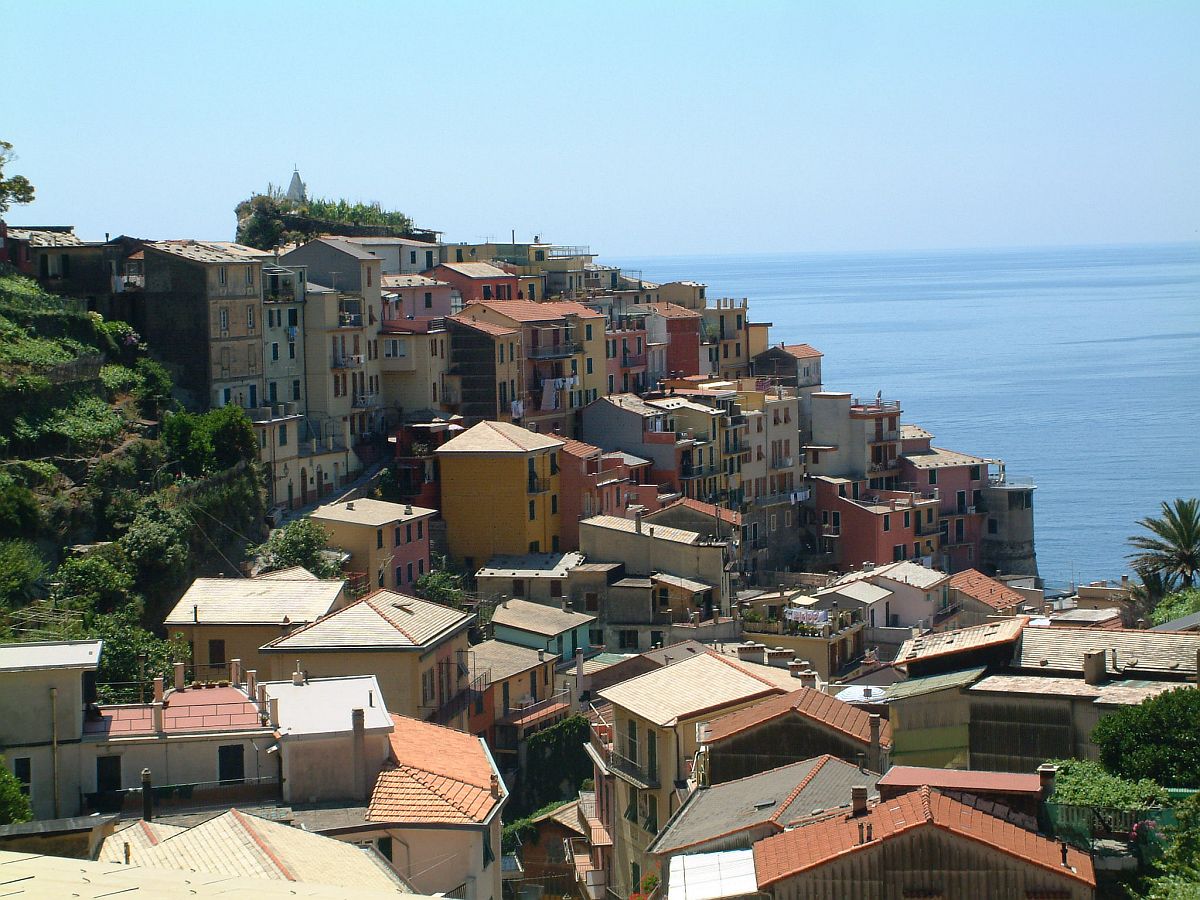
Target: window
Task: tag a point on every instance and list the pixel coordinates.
(368, 276)
(596, 636)
(273, 392)
(396, 537)
(250, 318)
(224, 316)
(974, 473)
(636, 871)
(409, 573)
(898, 552)
(427, 687)
(588, 365)
(216, 653)
(627, 639)
(887, 523)
(378, 538)
(296, 388)
(553, 504)
(591, 603)
(420, 567)
(532, 510)
(222, 275)
(933, 476)
(429, 299)
(408, 533)
(916, 549)
(650, 819)
(420, 529)
(488, 855)
(907, 518)
(293, 317)
(283, 437)
(23, 772)
(587, 331)
(231, 764)
(993, 526)
(108, 774)
(275, 350)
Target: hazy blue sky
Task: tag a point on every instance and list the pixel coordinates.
(638, 128)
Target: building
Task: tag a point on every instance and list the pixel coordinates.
(785, 728)
(931, 719)
(507, 679)
(916, 594)
(415, 648)
(223, 619)
(203, 307)
(511, 472)
(646, 747)
(898, 848)
(597, 483)
(561, 632)
(435, 811)
(399, 256)
(861, 525)
(627, 423)
(977, 598)
(477, 282)
(540, 577)
(679, 328)
(737, 814)
(388, 542)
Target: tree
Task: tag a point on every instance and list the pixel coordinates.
(22, 571)
(441, 585)
(19, 514)
(98, 582)
(1081, 782)
(299, 543)
(1158, 739)
(211, 442)
(1176, 606)
(15, 188)
(156, 541)
(14, 805)
(131, 653)
(1173, 545)
(1149, 593)
(1180, 863)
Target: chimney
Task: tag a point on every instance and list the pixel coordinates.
(156, 710)
(779, 657)
(637, 521)
(808, 679)
(541, 655)
(358, 722)
(179, 676)
(195, 614)
(1093, 666)
(504, 601)
(495, 785)
(875, 751)
(148, 799)
(127, 853)
(796, 668)
(858, 799)
(251, 682)
(350, 505)
(158, 689)
(273, 706)
(297, 675)
(261, 696)
(1047, 772)
(408, 509)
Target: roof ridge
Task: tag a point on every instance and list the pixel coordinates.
(319, 621)
(804, 782)
(262, 843)
(387, 617)
(424, 777)
(737, 665)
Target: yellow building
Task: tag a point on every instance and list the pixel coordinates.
(412, 365)
(500, 490)
(388, 542)
(416, 650)
(648, 747)
(230, 618)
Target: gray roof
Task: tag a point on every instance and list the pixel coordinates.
(502, 660)
(384, 620)
(538, 618)
(531, 565)
(1129, 653)
(255, 601)
(50, 655)
(1184, 623)
(774, 798)
(347, 247)
(915, 687)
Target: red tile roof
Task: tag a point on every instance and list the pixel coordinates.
(962, 780)
(528, 311)
(807, 703)
(193, 709)
(673, 311)
(811, 845)
(729, 516)
(436, 775)
(469, 321)
(986, 590)
(581, 449)
(802, 351)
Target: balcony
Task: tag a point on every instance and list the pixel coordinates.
(885, 437)
(365, 401)
(633, 360)
(348, 361)
(538, 485)
(350, 320)
(180, 797)
(1000, 480)
(877, 468)
(554, 351)
(783, 462)
(828, 530)
(773, 499)
(629, 770)
(697, 471)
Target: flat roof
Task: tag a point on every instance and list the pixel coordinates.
(325, 705)
(531, 565)
(366, 511)
(50, 655)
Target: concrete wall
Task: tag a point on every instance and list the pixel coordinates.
(28, 717)
(318, 769)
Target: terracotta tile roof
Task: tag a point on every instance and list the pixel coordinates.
(802, 351)
(912, 777)
(485, 327)
(580, 449)
(238, 844)
(528, 311)
(986, 590)
(193, 709)
(673, 311)
(1132, 653)
(945, 643)
(817, 843)
(436, 775)
(808, 703)
(380, 621)
(729, 516)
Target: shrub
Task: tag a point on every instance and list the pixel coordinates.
(14, 805)
(101, 581)
(22, 572)
(299, 543)
(1082, 782)
(1158, 739)
(19, 515)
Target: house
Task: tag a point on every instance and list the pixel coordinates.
(413, 364)
(627, 423)
(645, 749)
(399, 256)
(860, 525)
(596, 482)
(513, 694)
(60, 260)
(991, 645)
(1019, 793)
(542, 627)
(790, 726)
(237, 844)
(680, 329)
(897, 848)
(389, 542)
(792, 365)
(511, 472)
(931, 719)
(737, 814)
(415, 647)
(979, 598)
(435, 811)
(540, 577)
(203, 306)
(278, 431)
(476, 282)
(230, 618)
(546, 857)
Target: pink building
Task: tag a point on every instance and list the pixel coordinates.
(626, 355)
(414, 297)
(477, 281)
(859, 523)
(596, 482)
(683, 338)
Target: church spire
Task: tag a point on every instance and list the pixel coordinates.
(296, 190)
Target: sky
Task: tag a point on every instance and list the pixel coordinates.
(648, 128)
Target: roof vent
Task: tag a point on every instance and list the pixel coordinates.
(765, 804)
(350, 505)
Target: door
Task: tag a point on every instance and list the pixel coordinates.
(231, 764)
(428, 259)
(253, 396)
(108, 774)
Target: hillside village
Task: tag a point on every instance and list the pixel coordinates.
(375, 563)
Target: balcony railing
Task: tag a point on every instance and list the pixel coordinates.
(773, 499)
(783, 462)
(554, 351)
(885, 437)
(697, 471)
(195, 795)
(364, 401)
(538, 485)
(1001, 480)
(348, 361)
(632, 360)
(831, 530)
(629, 769)
(350, 320)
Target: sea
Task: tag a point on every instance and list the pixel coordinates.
(1077, 366)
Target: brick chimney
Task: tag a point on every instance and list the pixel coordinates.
(858, 800)
(1046, 773)
(875, 751)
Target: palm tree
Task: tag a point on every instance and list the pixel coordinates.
(1173, 545)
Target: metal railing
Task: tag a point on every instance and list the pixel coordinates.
(537, 485)
(364, 401)
(783, 462)
(350, 320)
(188, 796)
(347, 361)
(773, 499)
(632, 360)
(554, 351)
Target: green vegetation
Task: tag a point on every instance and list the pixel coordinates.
(441, 584)
(555, 765)
(523, 831)
(210, 442)
(1176, 606)
(267, 220)
(14, 188)
(22, 573)
(301, 542)
(1172, 547)
(359, 214)
(1159, 739)
(1179, 868)
(1082, 782)
(14, 805)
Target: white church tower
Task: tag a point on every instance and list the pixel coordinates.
(297, 191)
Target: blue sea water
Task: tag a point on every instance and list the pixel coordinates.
(1077, 366)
